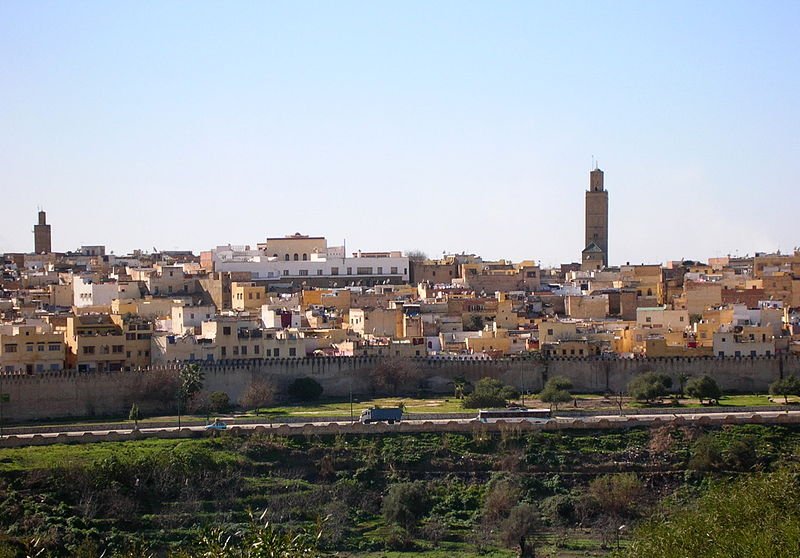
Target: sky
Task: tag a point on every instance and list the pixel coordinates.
(435, 126)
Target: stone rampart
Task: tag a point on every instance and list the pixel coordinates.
(79, 394)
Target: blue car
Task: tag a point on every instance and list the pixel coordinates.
(216, 425)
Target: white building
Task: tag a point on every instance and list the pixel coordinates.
(86, 292)
(332, 265)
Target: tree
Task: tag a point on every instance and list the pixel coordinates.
(134, 416)
(305, 389)
(258, 394)
(556, 391)
(649, 386)
(704, 387)
(489, 393)
(191, 379)
(219, 401)
(517, 529)
(616, 494)
(416, 255)
(393, 373)
(406, 503)
(787, 386)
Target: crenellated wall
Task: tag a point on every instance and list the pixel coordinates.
(73, 394)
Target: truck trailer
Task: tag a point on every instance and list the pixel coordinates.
(381, 414)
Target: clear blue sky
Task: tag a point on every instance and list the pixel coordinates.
(440, 126)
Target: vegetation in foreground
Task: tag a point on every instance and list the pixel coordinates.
(556, 493)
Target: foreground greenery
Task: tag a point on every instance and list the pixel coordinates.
(562, 493)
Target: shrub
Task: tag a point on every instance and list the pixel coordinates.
(704, 387)
(489, 393)
(219, 402)
(305, 389)
(406, 503)
(649, 386)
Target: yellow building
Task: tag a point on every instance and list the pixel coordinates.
(247, 297)
(138, 338)
(30, 349)
(94, 343)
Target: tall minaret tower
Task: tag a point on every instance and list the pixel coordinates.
(596, 222)
(41, 235)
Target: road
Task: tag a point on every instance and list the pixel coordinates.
(92, 435)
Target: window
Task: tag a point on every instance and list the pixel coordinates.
(550, 331)
(303, 273)
(88, 350)
(648, 319)
(285, 272)
(296, 257)
(286, 258)
(54, 347)
(117, 349)
(305, 257)
(380, 271)
(130, 336)
(334, 271)
(292, 351)
(256, 350)
(250, 296)
(319, 272)
(349, 270)
(364, 270)
(40, 347)
(393, 271)
(236, 350)
(268, 352)
(226, 330)
(277, 352)
(244, 350)
(223, 351)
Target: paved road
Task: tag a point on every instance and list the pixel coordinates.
(767, 416)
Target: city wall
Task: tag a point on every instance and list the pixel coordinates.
(73, 394)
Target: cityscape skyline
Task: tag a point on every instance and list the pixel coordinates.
(183, 129)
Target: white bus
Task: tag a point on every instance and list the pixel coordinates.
(515, 414)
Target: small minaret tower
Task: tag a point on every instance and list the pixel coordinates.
(596, 251)
(41, 235)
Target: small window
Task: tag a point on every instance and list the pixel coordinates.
(226, 330)
(277, 352)
(292, 351)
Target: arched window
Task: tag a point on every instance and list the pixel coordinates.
(296, 257)
(286, 257)
(305, 257)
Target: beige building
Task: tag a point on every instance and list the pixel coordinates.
(587, 307)
(94, 343)
(30, 349)
(247, 297)
(295, 247)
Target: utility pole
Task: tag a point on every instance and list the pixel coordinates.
(351, 398)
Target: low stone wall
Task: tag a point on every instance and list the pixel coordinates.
(576, 423)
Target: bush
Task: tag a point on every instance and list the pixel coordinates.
(305, 389)
(789, 385)
(556, 391)
(219, 402)
(489, 393)
(406, 503)
(649, 386)
(702, 388)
